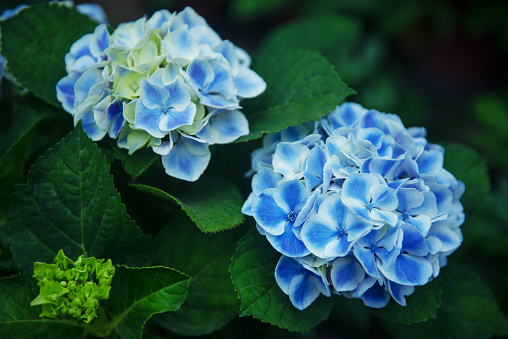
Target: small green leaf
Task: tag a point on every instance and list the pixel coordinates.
(14, 153)
(252, 270)
(138, 293)
(20, 320)
(466, 165)
(35, 42)
(137, 163)
(302, 86)
(213, 203)
(212, 301)
(421, 306)
(70, 203)
(468, 310)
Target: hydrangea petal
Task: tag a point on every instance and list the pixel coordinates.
(183, 164)
(346, 274)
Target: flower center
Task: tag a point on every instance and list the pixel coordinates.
(164, 109)
(292, 216)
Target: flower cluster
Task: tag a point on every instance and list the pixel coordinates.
(72, 289)
(168, 82)
(93, 11)
(357, 204)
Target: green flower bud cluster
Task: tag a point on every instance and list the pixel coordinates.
(72, 289)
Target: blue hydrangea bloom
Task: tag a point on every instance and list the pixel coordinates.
(168, 82)
(359, 199)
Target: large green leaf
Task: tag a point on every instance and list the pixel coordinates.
(14, 153)
(20, 320)
(70, 203)
(212, 301)
(468, 310)
(35, 42)
(213, 203)
(421, 306)
(136, 163)
(302, 86)
(466, 165)
(138, 293)
(252, 270)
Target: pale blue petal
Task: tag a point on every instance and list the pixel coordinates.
(383, 197)
(448, 238)
(247, 205)
(93, 11)
(86, 82)
(431, 162)
(383, 216)
(230, 125)
(289, 159)
(314, 172)
(200, 73)
(346, 274)
(374, 135)
(173, 119)
(428, 206)
(271, 217)
(413, 241)
(408, 198)
(357, 187)
(248, 83)
(367, 259)
(183, 164)
(153, 96)
(421, 222)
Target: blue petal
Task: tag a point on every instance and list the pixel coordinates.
(431, 162)
(291, 196)
(270, 216)
(317, 232)
(376, 297)
(413, 241)
(383, 197)
(148, 120)
(200, 73)
(409, 198)
(287, 269)
(314, 172)
(357, 187)
(174, 119)
(399, 292)
(85, 83)
(346, 274)
(65, 91)
(153, 96)
(303, 291)
(86, 115)
(182, 162)
(263, 179)
(367, 259)
(93, 11)
(229, 125)
(408, 270)
(287, 243)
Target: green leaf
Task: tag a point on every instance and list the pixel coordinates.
(20, 320)
(213, 203)
(138, 293)
(302, 86)
(421, 306)
(14, 153)
(252, 270)
(35, 42)
(468, 310)
(137, 163)
(466, 165)
(70, 203)
(212, 301)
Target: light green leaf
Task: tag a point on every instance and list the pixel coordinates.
(212, 301)
(213, 203)
(14, 153)
(70, 203)
(252, 270)
(466, 165)
(20, 320)
(136, 163)
(35, 42)
(421, 306)
(468, 310)
(138, 293)
(302, 86)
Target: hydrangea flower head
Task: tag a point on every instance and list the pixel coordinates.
(357, 204)
(72, 289)
(168, 82)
